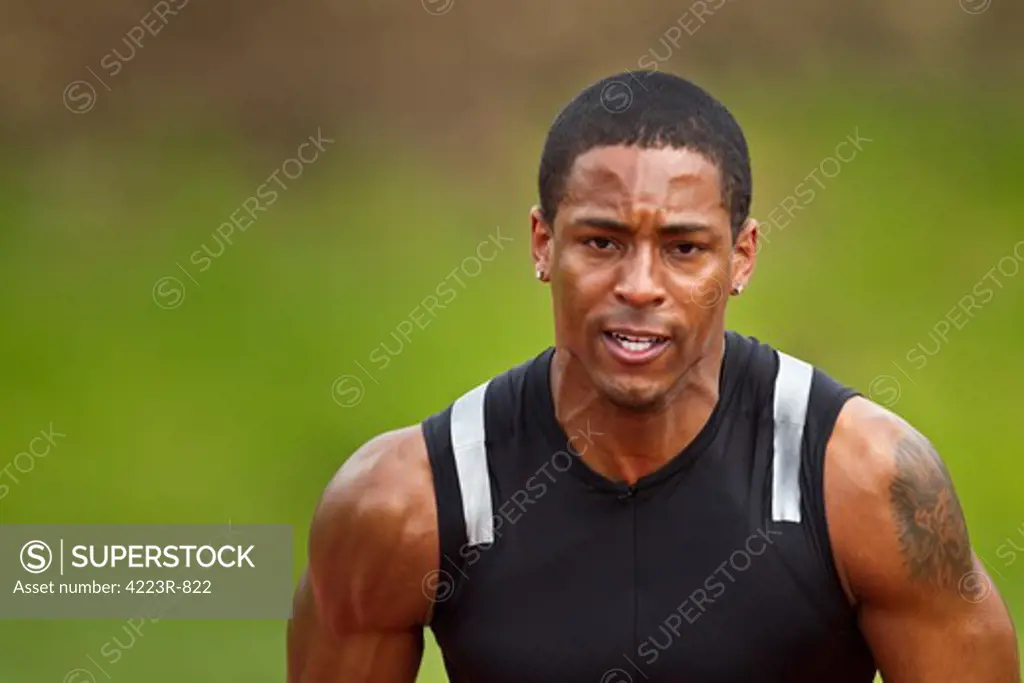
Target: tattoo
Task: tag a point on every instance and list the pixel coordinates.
(930, 522)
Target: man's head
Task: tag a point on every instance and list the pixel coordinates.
(643, 230)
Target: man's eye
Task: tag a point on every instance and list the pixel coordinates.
(686, 248)
(600, 243)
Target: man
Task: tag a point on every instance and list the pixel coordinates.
(654, 498)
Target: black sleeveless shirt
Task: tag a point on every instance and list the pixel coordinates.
(716, 567)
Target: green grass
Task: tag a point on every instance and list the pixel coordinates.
(222, 408)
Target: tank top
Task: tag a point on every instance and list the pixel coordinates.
(715, 567)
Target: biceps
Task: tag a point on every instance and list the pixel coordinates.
(943, 638)
(315, 655)
(359, 658)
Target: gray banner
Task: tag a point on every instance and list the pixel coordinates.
(145, 571)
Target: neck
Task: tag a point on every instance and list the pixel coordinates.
(625, 445)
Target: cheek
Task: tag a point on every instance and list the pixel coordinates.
(581, 290)
(705, 289)
(569, 302)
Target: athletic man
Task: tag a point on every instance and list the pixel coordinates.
(654, 498)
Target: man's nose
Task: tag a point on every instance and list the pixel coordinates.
(639, 284)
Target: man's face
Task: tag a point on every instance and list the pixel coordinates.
(641, 263)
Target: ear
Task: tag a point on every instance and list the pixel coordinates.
(541, 241)
(744, 255)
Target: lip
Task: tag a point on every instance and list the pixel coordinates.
(636, 332)
(628, 357)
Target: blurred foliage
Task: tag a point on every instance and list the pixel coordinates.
(455, 68)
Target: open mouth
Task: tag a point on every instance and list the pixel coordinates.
(635, 348)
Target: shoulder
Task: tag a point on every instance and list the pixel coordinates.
(382, 473)
(373, 539)
(891, 505)
(863, 447)
(874, 454)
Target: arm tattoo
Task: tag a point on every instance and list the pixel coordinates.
(929, 520)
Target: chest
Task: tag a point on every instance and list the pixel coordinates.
(623, 591)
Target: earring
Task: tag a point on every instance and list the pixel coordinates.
(737, 288)
(540, 274)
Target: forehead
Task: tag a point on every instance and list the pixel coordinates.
(666, 179)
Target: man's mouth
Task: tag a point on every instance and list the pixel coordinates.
(635, 347)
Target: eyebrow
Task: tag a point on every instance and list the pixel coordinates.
(669, 228)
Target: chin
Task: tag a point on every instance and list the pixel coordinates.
(634, 395)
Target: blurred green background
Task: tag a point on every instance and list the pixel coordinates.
(215, 397)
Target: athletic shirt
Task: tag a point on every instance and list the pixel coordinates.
(716, 567)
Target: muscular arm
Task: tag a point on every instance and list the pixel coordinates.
(928, 610)
(360, 608)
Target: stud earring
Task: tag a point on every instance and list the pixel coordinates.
(737, 288)
(540, 274)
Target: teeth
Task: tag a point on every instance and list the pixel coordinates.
(636, 344)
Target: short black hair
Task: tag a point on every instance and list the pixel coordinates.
(647, 109)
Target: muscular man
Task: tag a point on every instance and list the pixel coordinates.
(655, 497)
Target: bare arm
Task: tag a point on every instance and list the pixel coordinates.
(360, 608)
(928, 610)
